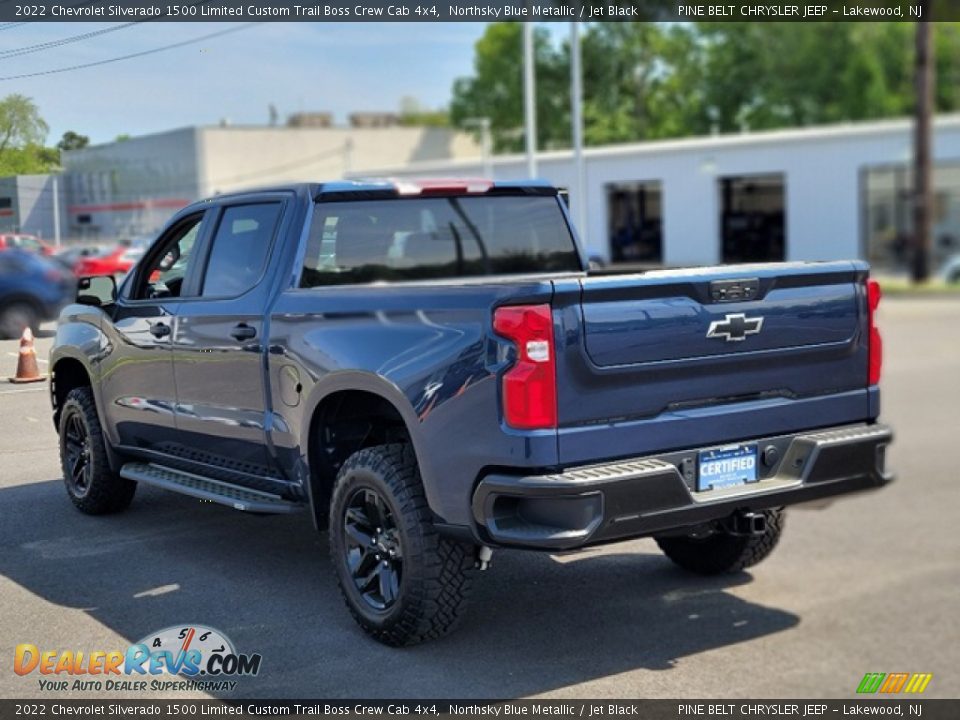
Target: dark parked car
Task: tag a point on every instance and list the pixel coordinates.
(32, 289)
(430, 371)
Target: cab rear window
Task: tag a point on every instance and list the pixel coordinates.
(437, 237)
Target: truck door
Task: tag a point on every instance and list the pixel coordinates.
(137, 376)
(218, 345)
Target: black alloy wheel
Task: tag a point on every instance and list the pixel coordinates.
(78, 468)
(402, 580)
(93, 487)
(374, 554)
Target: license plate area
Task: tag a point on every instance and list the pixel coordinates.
(726, 466)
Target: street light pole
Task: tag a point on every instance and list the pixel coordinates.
(486, 143)
(529, 99)
(922, 139)
(576, 115)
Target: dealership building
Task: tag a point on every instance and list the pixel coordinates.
(817, 193)
(814, 193)
(129, 188)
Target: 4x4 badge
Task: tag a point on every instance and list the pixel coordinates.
(735, 327)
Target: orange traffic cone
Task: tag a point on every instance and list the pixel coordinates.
(27, 370)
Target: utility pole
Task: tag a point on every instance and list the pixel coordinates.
(529, 99)
(922, 195)
(576, 118)
(55, 191)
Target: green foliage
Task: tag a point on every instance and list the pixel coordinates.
(647, 80)
(496, 88)
(72, 141)
(29, 160)
(22, 132)
(425, 118)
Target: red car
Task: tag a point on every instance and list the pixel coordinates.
(115, 260)
(30, 243)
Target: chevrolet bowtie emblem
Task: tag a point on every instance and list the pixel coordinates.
(735, 327)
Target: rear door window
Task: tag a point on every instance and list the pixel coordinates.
(240, 249)
(437, 237)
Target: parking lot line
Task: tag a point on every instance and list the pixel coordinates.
(39, 360)
(23, 390)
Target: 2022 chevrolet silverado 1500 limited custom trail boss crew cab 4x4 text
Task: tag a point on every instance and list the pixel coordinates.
(429, 370)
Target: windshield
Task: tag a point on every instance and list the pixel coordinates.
(438, 237)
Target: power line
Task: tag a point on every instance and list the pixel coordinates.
(11, 25)
(182, 43)
(16, 52)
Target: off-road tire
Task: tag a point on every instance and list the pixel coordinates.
(722, 552)
(436, 574)
(101, 491)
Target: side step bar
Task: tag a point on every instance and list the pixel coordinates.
(239, 498)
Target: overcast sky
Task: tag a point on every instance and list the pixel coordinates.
(330, 67)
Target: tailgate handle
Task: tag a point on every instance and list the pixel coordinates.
(734, 290)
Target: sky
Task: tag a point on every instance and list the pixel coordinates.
(331, 67)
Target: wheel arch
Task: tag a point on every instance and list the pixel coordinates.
(66, 373)
(354, 397)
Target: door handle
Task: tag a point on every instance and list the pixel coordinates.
(243, 332)
(159, 330)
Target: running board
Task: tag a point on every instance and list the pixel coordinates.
(239, 498)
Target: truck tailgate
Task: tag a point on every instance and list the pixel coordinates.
(679, 358)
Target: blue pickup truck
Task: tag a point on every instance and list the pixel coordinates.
(431, 371)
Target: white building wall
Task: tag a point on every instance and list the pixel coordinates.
(821, 167)
(234, 158)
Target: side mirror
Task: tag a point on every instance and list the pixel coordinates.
(170, 259)
(97, 291)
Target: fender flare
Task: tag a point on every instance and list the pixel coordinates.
(380, 386)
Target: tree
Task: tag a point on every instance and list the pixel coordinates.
(72, 141)
(20, 123)
(22, 132)
(496, 88)
(645, 80)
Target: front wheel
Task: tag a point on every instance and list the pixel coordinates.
(91, 485)
(723, 552)
(402, 582)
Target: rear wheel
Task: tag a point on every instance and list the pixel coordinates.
(402, 582)
(722, 552)
(92, 486)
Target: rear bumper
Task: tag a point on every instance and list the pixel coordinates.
(655, 495)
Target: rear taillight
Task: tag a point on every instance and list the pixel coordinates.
(530, 385)
(875, 344)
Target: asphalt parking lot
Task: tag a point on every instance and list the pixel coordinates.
(869, 584)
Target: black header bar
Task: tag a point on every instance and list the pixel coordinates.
(476, 11)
